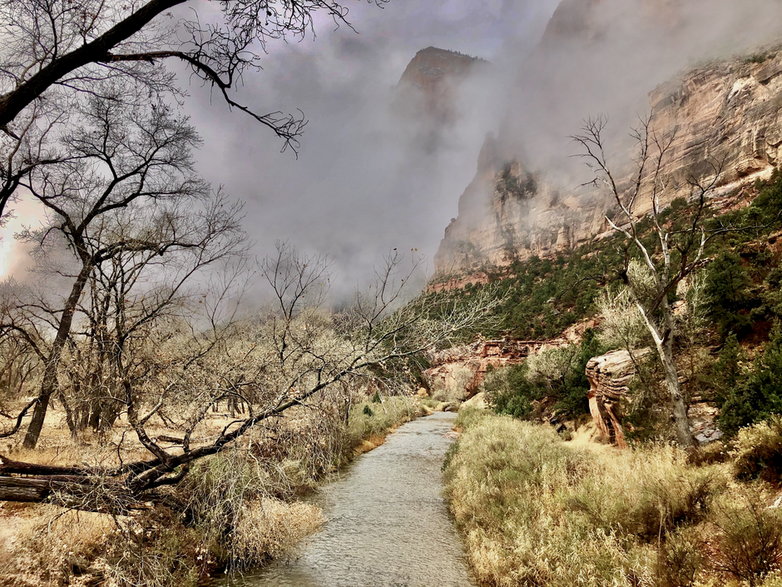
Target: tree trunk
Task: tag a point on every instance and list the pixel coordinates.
(679, 406)
(663, 343)
(50, 383)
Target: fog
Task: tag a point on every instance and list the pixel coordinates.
(606, 59)
(364, 181)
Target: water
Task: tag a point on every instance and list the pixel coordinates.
(387, 521)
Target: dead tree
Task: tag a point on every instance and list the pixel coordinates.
(670, 256)
(284, 359)
(71, 45)
(125, 158)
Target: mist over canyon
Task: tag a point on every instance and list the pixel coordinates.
(381, 167)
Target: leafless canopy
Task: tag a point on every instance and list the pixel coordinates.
(54, 51)
(283, 358)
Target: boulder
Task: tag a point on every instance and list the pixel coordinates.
(478, 402)
(609, 378)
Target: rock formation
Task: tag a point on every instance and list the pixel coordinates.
(728, 112)
(429, 83)
(526, 197)
(727, 115)
(457, 372)
(508, 214)
(609, 376)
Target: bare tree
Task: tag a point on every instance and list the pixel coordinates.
(69, 46)
(287, 357)
(123, 157)
(673, 252)
(31, 145)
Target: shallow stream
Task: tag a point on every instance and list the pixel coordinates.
(387, 522)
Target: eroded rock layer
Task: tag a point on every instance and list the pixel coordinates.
(726, 116)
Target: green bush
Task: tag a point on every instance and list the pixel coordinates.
(759, 394)
(726, 372)
(572, 396)
(509, 391)
(556, 374)
(727, 288)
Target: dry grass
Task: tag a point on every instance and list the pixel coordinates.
(370, 422)
(535, 510)
(270, 527)
(243, 505)
(46, 545)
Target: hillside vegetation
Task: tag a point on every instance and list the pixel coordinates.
(542, 297)
(730, 345)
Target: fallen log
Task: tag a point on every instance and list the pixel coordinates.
(92, 494)
(24, 489)
(9, 467)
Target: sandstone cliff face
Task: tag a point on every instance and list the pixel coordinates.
(607, 57)
(508, 214)
(428, 87)
(727, 114)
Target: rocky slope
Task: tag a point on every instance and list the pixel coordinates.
(520, 204)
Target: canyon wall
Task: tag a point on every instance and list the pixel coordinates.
(527, 197)
(727, 115)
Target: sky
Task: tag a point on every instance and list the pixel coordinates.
(363, 184)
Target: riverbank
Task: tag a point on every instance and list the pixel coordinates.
(243, 506)
(536, 510)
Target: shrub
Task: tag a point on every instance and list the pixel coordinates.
(538, 511)
(270, 527)
(660, 493)
(509, 391)
(720, 378)
(750, 542)
(469, 417)
(679, 559)
(759, 394)
(556, 374)
(373, 420)
(758, 451)
(727, 289)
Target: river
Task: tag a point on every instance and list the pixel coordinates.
(387, 522)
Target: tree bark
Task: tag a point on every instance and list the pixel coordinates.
(50, 383)
(678, 405)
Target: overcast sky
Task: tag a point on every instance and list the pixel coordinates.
(361, 185)
(364, 183)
